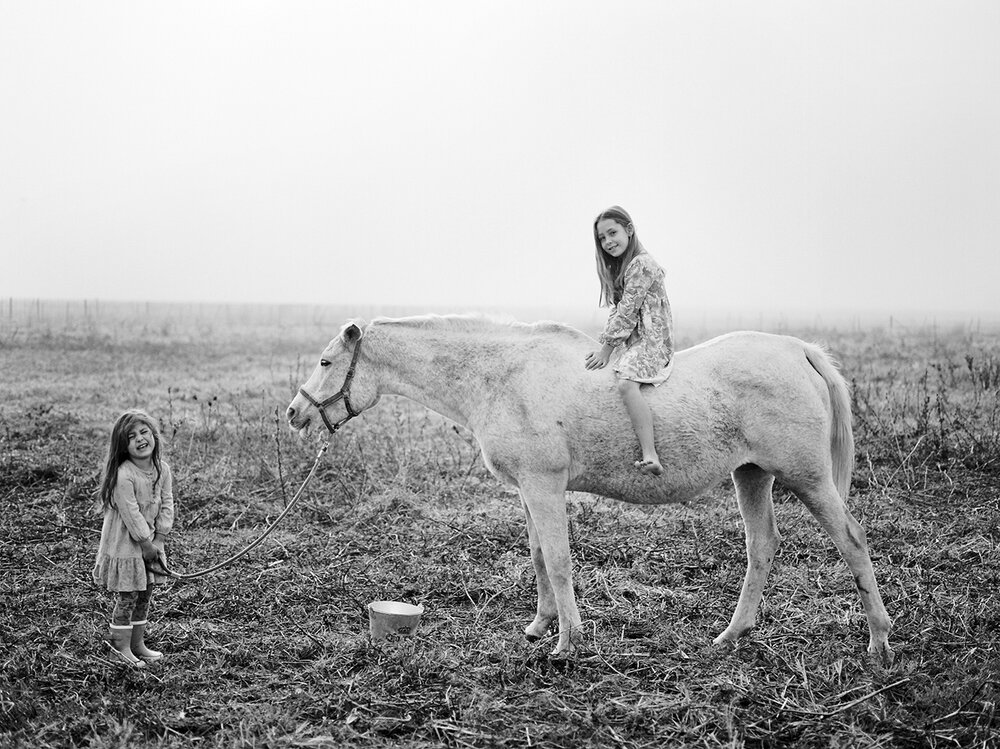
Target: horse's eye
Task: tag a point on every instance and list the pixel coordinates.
(324, 363)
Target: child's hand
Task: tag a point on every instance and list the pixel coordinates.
(598, 359)
(149, 551)
(160, 543)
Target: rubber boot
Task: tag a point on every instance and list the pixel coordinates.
(139, 647)
(120, 639)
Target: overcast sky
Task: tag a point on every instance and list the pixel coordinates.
(774, 155)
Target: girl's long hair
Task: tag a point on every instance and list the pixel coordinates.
(611, 270)
(118, 454)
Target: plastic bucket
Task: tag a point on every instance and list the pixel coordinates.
(393, 618)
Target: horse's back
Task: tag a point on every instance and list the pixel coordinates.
(727, 402)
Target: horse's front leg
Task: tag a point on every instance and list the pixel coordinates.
(545, 612)
(544, 499)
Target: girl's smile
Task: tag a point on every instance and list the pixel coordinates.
(141, 443)
(613, 236)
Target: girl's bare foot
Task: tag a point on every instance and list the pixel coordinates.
(649, 466)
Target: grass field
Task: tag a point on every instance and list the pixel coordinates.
(274, 652)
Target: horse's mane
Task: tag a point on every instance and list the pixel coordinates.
(478, 322)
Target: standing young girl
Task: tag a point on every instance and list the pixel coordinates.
(136, 494)
(632, 283)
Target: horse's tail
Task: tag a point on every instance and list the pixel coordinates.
(841, 434)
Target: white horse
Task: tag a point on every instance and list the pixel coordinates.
(751, 405)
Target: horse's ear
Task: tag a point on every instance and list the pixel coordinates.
(351, 334)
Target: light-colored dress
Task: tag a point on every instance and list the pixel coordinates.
(643, 323)
(138, 510)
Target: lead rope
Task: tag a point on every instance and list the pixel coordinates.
(164, 570)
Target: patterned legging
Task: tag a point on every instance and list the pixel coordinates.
(131, 606)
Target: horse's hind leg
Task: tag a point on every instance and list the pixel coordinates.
(827, 506)
(546, 611)
(753, 494)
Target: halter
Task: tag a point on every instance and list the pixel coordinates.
(344, 394)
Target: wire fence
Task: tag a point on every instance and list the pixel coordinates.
(122, 320)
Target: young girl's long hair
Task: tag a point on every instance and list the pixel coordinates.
(118, 454)
(611, 270)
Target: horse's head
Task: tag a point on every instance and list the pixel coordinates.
(332, 392)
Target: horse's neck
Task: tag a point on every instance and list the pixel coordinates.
(440, 369)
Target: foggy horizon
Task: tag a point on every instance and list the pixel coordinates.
(719, 319)
(779, 157)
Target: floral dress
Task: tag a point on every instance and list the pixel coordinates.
(139, 509)
(642, 321)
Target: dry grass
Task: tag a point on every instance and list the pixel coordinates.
(274, 652)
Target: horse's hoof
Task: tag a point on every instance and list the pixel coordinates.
(721, 646)
(883, 656)
(538, 629)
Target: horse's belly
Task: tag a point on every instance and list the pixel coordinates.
(637, 488)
